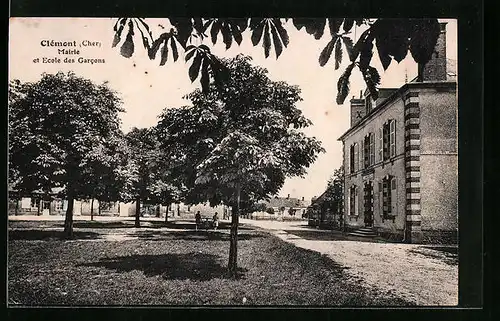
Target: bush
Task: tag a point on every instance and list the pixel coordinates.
(270, 210)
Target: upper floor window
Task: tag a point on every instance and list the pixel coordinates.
(369, 150)
(389, 139)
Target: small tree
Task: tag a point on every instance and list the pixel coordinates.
(334, 194)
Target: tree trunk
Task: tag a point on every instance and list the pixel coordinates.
(92, 209)
(99, 207)
(68, 221)
(137, 212)
(17, 206)
(233, 247)
(178, 209)
(39, 204)
(166, 213)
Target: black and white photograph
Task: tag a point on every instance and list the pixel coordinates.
(233, 162)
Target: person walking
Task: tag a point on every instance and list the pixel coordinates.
(197, 218)
(215, 221)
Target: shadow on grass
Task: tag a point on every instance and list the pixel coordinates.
(190, 225)
(103, 225)
(41, 235)
(202, 235)
(189, 266)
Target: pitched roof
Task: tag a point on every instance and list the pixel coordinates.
(285, 202)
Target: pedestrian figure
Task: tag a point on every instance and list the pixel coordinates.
(197, 218)
(216, 221)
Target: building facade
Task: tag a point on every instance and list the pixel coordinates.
(401, 160)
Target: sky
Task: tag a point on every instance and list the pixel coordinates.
(147, 88)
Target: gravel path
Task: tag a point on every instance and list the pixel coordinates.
(414, 272)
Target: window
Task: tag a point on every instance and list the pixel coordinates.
(353, 200)
(385, 140)
(369, 150)
(372, 148)
(389, 196)
(392, 137)
(388, 139)
(58, 205)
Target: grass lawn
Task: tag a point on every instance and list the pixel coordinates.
(116, 264)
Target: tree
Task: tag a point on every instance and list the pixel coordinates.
(54, 126)
(334, 194)
(151, 173)
(393, 38)
(237, 145)
(107, 174)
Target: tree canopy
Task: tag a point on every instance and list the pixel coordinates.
(62, 130)
(249, 133)
(393, 39)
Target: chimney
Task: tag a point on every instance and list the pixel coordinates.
(435, 69)
(302, 198)
(288, 196)
(358, 110)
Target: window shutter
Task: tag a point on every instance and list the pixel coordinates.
(380, 144)
(351, 159)
(372, 148)
(356, 156)
(392, 133)
(366, 151)
(351, 200)
(389, 200)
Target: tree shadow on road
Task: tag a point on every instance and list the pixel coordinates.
(189, 266)
(50, 235)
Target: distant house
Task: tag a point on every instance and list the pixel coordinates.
(290, 206)
(53, 203)
(320, 213)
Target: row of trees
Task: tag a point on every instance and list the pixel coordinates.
(64, 131)
(234, 145)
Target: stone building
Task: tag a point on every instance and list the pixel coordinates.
(401, 160)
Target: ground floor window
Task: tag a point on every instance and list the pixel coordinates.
(389, 196)
(353, 200)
